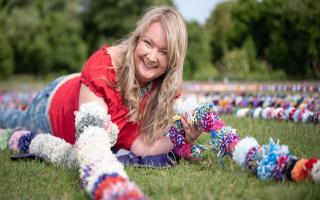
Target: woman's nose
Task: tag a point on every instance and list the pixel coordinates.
(152, 56)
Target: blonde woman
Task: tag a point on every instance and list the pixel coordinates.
(135, 81)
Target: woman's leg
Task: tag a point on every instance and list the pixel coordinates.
(34, 118)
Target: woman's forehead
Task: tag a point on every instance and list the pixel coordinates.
(157, 35)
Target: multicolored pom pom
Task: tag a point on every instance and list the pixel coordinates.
(241, 149)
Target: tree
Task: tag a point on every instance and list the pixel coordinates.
(49, 39)
(286, 33)
(197, 63)
(6, 56)
(106, 21)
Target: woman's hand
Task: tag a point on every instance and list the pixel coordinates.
(192, 133)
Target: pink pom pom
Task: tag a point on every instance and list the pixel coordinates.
(14, 140)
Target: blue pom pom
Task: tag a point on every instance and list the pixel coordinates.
(25, 141)
(270, 154)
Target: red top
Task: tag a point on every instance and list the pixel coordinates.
(96, 74)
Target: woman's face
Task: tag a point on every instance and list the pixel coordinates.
(150, 54)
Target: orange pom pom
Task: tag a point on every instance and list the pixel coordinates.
(298, 173)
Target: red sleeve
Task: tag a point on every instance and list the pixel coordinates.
(98, 74)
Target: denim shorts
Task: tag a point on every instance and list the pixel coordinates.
(35, 117)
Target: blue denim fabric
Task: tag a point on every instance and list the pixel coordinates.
(34, 118)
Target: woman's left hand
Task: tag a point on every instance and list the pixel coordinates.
(192, 132)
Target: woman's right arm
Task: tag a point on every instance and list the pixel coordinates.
(86, 96)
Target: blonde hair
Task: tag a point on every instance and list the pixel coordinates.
(159, 110)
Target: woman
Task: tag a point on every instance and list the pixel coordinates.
(136, 81)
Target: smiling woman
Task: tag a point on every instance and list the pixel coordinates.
(150, 56)
(135, 81)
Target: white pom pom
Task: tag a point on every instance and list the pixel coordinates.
(93, 108)
(185, 106)
(241, 149)
(242, 112)
(257, 112)
(315, 172)
(306, 116)
(266, 113)
(90, 114)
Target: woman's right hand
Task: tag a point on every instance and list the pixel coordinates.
(191, 132)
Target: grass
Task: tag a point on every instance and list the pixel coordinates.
(188, 180)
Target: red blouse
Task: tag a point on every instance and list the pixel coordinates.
(98, 75)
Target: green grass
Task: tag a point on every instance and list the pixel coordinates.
(188, 180)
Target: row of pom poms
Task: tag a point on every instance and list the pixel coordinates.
(102, 175)
(290, 114)
(16, 100)
(269, 162)
(296, 108)
(272, 161)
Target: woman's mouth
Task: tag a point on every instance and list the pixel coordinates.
(149, 65)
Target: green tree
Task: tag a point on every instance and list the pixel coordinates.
(106, 21)
(6, 56)
(198, 59)
(286, 33)
(46, 36)
(219, 26)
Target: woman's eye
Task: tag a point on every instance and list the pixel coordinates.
(147, 43)
(164, 53)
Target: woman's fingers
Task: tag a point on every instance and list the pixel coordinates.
(191, 131)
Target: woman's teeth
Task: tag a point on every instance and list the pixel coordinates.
(149, 65)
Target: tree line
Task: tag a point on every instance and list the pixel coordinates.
(244, 39)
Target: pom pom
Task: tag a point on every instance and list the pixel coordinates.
(307, 116)
(289, 166)
(252, 158)
(14, 141)
(296, 115)
(197, 150)
(25, 141)
(315, 172)
(298, 173)
(278, 172)
(257, 113)
(316, 118)
(241, 150)
(308, 165)
(279, 112)
(242, 112)
(176, 136)
(54, 150)
(266, 113)
(270, 155)
(116, 187)
(90, 114)
(183, 151)
(224, 141)
(185, 106)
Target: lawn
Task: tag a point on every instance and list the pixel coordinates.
(206, 179)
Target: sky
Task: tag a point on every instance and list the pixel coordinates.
(198, 10)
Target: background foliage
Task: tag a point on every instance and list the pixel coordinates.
(242, 39)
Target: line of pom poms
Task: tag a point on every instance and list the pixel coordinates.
(107, 186)
(269, 162)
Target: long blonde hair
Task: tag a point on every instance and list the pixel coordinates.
(159, 110)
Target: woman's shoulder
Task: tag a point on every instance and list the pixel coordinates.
(99, 64)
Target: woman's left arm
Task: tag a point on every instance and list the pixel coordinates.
(164, 144)
(161, 146)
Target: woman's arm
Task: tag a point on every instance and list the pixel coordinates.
(161, 146)
(86, 96)
(164, 144)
